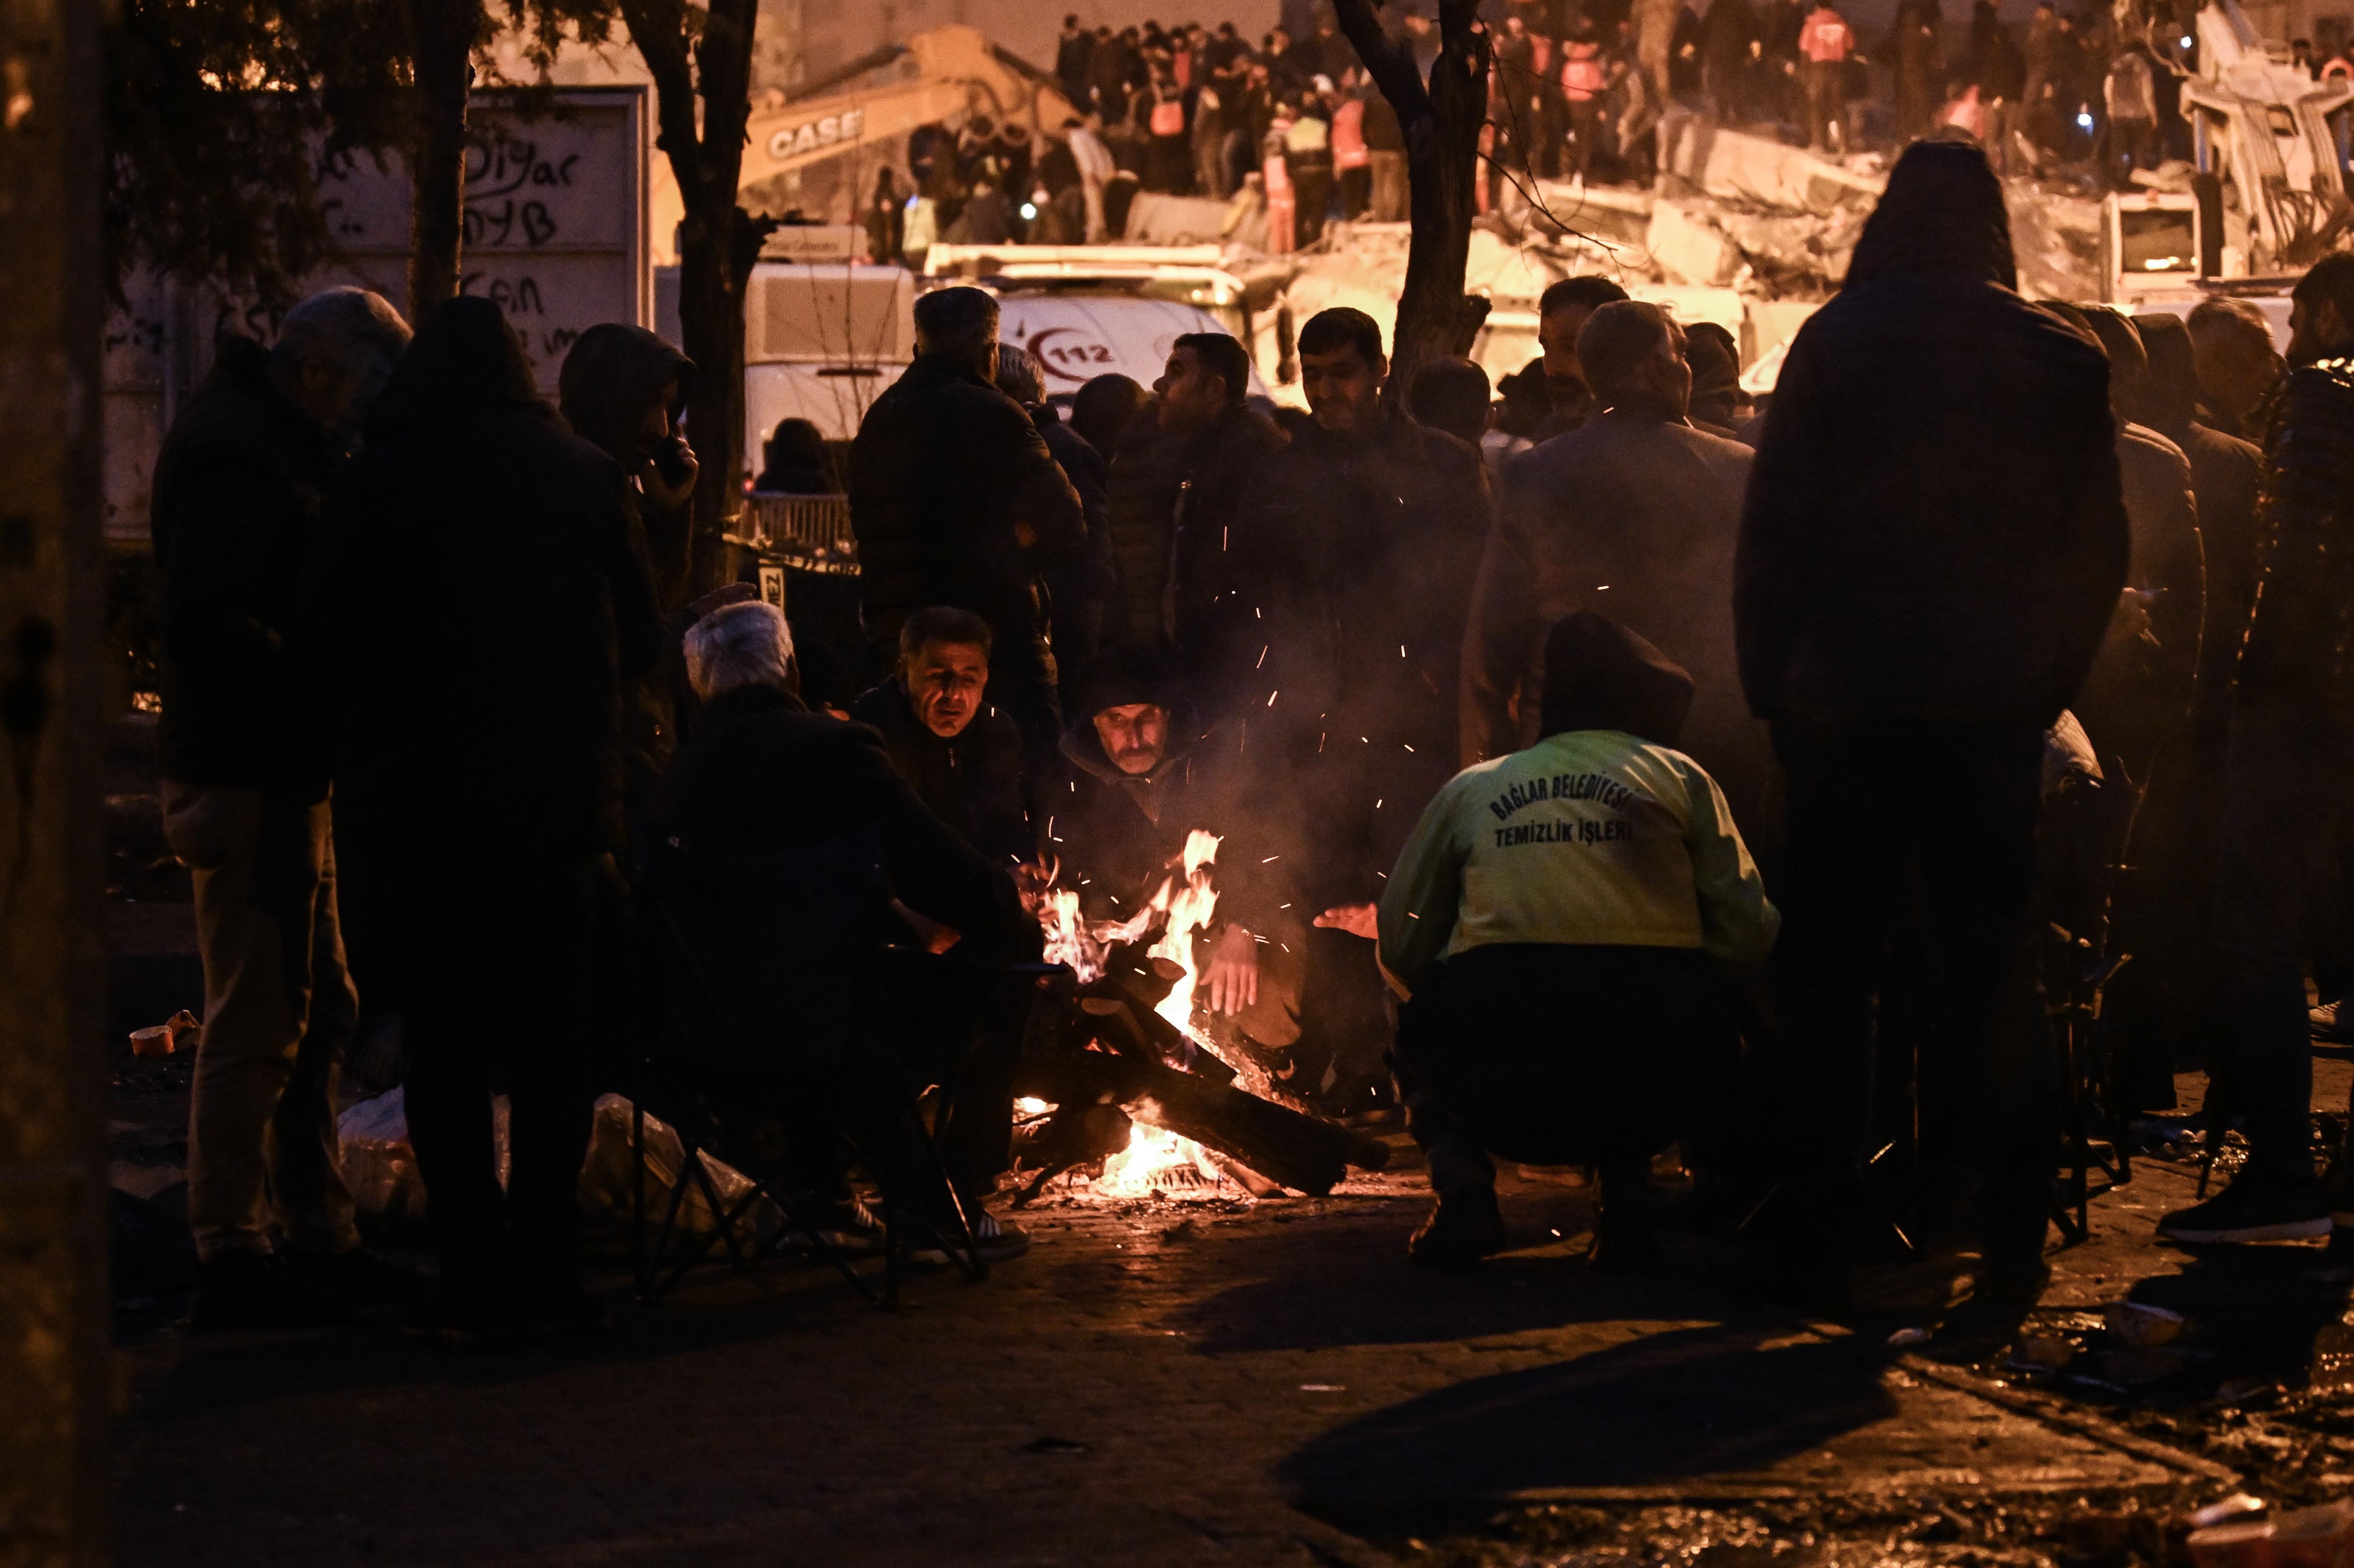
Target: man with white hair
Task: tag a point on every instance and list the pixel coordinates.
(761, 774)
(238, 487)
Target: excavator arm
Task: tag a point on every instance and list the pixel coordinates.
(944, 75)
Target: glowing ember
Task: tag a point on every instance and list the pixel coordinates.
(1155, 1159)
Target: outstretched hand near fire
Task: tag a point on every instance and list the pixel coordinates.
(1357, 919)
(1234, 972)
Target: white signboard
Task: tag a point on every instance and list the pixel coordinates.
(556, 231)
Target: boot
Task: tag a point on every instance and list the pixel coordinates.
(1626, 1238)
(1465, 1225)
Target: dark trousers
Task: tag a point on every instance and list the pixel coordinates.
(2280, 889)
(1558, 1054)
(1932, 824)
(498, 957)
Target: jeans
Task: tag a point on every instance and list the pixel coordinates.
(2280, 885)
(1940, 821)
(279, 1008)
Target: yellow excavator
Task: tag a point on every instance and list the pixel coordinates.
(945, 75)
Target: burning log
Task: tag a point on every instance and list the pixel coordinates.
(1300, 1151)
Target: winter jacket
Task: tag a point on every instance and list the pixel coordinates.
(1174, 498)
(239, 487)
(970, 780)
(1120, 835)
(481, 604)
(1934, 526)
(762, 773)
(1635, 517)
(944, 468)
(1588, 838)
(1357, 555)
(2298, 636)
(612, 375)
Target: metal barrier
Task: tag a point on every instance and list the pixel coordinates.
(806, 533)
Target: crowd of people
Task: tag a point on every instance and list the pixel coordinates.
(1578, 786)
(1295, 127)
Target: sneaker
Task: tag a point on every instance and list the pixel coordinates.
(257, 1290)
(994, 1241)
(849, 1227)
(358, 1274)
(465, 1320)
(2325, 1026)
(1461, 1230)
(2252, 1210)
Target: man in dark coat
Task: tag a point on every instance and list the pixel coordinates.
(1359, 543)
(2281, 885)
(1549, 396)
(239, 489)
(1933, 546)
(956, 500)
(1177, 487)
(961, 755)
(1636, 514)
(485, 602)
(762, 773)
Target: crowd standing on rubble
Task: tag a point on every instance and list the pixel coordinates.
(1294, 128)
(1587, 758)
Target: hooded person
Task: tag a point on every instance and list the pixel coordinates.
(482, 605)
(1599, 863)
(1932, 548)
(624, 388)
(1636, 513)
(1147, 776)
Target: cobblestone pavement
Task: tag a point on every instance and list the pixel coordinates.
(1155, 1383)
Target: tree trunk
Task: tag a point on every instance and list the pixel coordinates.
(1436, 319)
(719, 243)
(441, 43)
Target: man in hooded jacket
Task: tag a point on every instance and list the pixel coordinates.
(482, 605)
(624, 388)
(1933, 546)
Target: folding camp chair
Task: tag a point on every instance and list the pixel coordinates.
(771, 970)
